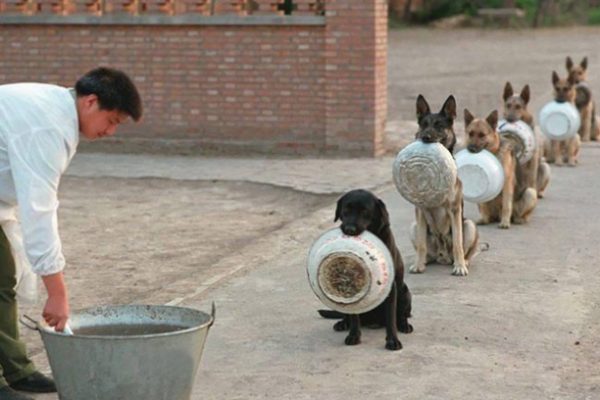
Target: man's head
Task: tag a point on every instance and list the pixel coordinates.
(105, 98)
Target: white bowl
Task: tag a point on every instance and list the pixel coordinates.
(350, 274)
(424, 173)
(559, 121)
(523, 132)
(481, 175)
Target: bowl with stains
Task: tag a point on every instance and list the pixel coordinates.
(350, 274)
(523, 133)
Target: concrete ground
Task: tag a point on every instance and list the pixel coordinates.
(192, 231)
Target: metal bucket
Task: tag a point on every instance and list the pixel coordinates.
(104, 360)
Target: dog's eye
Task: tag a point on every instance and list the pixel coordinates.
(471, 134)
(481, 135)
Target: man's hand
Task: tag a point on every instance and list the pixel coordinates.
(56, 311)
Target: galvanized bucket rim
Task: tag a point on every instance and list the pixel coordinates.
(44, 329)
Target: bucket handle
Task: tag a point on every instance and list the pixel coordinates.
(27, 322)
(212, 314)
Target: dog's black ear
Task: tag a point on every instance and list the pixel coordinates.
(555, 78)
(508, 91)
(468, 118)
(525, 94)
(583, 63)
(569, 64)
(492, 119)
(422, 108)
(449, 107)
(338, 208)
(384, 220)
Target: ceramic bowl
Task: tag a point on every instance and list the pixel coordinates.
(481, 175)
(559, 121)
(424, 173)
(523, 132)
(350, 274)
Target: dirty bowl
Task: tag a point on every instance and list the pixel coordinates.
(522, 132)
(559, 121)
(424, 173)
(481, 175)
(350, 274)
(133, 352)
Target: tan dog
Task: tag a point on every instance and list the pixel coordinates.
(590, 128)
(442, 234)
(517, 200)
(566, 150)
(536, 172)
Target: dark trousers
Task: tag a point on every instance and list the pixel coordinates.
(14, 364)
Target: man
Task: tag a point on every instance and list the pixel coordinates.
(40, 126)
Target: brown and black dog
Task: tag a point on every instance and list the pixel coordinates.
(517, 200)
(590, 128)
(361, 210)
(536, 172)
(566, 150)
(442, 234)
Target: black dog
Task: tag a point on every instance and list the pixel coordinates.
(360, 210)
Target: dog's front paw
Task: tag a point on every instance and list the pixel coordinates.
(341, 325)
(504, 225)
(482, 221)
(393, 344)
(417, 268)
(460, 270)
(352, 340)
(405, 328)
(572, 163)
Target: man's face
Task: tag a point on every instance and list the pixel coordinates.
(96, 123)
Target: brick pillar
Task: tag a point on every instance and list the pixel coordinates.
(356, 75)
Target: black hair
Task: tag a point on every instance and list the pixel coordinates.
(114, 89)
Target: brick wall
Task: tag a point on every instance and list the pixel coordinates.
(262, 83)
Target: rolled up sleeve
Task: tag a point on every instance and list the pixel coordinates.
(37, 161)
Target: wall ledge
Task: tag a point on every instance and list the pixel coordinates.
(179, 20)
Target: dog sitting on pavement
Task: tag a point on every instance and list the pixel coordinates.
(442, 234)
(559, 151)
(535, 172)
(590, 128)
(361, 210)
(517, 200)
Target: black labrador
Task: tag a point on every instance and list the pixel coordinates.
(360, 210)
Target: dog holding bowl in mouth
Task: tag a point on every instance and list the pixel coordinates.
(517, 200)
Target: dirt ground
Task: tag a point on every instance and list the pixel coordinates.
(141, 240)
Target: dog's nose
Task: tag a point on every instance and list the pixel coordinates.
(473, 148)
(349, 230)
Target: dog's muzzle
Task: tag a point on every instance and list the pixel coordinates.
(474, 149)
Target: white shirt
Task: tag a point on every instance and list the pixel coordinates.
(39, 132)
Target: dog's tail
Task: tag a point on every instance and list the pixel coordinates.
(330, 314)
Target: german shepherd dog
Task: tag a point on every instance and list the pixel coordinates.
(590, 128)
(558, 151)
(517, 200)
(442, 234)
(536, 172)
(361, 210)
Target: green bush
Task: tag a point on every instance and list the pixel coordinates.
(594, 16)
